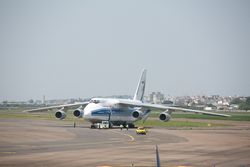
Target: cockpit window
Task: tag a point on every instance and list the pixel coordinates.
(94, 101)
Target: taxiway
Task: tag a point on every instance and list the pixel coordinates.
(27, 142)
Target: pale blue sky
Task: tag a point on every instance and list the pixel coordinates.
(71, 49)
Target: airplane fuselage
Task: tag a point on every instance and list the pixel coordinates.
(101, 109)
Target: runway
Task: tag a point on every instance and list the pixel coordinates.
(26, 142)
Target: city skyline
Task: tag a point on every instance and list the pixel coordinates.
(146, 97)
(72, 49)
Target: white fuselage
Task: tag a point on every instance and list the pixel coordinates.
(101, 109)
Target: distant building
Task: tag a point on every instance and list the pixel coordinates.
(234, 107)
(156, 97)
(167, 102)
(208, 108)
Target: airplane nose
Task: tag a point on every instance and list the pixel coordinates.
(87, 112)
(90, 108)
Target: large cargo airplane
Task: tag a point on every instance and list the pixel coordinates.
(120, 111)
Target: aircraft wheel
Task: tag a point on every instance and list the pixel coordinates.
(131, 125)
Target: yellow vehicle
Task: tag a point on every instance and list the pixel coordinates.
(141, 131)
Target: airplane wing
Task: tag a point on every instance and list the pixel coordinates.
(64, 106)
(163, 108)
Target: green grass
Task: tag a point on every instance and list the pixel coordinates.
(154, 123)
(27, 116)
(235, 117)
(242, 116)
(50, 115)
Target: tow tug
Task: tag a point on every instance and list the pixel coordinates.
(102, 125)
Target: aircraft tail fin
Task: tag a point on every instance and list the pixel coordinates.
(141, 86)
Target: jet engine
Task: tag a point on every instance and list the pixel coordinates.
(164, 116)
(60, 114)
(78, 113)
(137, 114)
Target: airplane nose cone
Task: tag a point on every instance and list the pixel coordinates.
(87, 112)
(90, 108)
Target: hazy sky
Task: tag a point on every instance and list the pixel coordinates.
(71, 49)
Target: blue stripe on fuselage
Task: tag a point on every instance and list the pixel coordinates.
(103, 111)
(100, 112)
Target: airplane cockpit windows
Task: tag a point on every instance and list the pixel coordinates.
(95, 101)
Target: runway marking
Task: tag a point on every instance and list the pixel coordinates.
(35, 148)
(131, 137)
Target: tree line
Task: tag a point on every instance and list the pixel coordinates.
(244, 103)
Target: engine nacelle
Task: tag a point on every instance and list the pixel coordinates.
(78, 113)
(164, 116)
(137, 114)
(60, 114)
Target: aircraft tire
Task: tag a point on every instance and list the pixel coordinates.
(131, 125)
